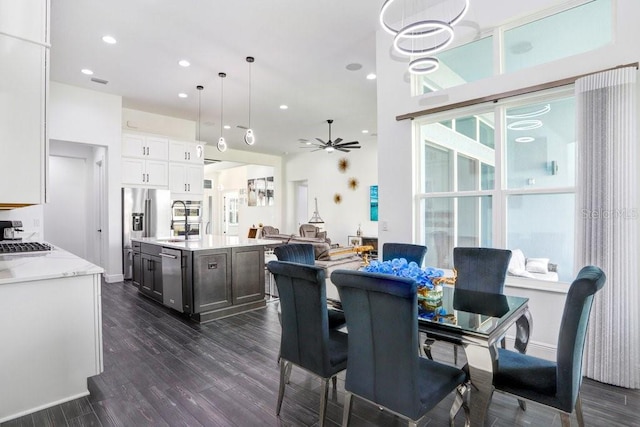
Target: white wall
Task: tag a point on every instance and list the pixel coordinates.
(90, 117)
(171, 127)
(324, 180)
(395, 139)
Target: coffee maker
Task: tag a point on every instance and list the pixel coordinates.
(9, 230)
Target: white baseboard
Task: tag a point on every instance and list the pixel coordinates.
(537, 349)
(113, 278)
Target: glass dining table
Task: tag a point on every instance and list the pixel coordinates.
(478, 321)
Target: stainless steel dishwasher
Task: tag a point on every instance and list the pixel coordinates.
(172, 278)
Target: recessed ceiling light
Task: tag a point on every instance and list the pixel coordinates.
(184, 63)
(365, 131)
(109, 40)
(227, 127)
(182, 95)
(284, 107)
(354, 66)
(86, 71)
(371, 76)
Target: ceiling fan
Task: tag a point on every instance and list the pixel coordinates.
(330, 145)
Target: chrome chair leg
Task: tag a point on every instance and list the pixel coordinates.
(523, 404)
(283, 380)
(287, 372)
(579, 411)
(427, 347)
(459, 402)
(324, 395)
(346, 411)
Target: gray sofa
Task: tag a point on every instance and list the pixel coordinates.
(325, 256)
(321, 244)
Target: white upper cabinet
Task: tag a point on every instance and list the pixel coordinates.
(187, 152)
(186, 179)
(26, 19)
(139, 172)
(145, 147)
(23, 102)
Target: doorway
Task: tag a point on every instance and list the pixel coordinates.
(73, 218)
(301, 202)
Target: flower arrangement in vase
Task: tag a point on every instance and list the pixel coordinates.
(428, 280)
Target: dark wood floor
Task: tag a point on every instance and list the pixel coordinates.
(163, 370)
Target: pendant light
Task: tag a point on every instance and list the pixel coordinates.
(249, 137)
(222, 144)
(199, 88)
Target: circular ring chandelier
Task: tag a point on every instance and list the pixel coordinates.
(525, 125)
(389, 29)
(424, 65)
(421, 29)
(536, 113)
(431, 24)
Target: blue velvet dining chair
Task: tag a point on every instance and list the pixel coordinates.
(555, 384)
(480, 270)
(410, 252)
(303, 253)
(383, 366)
(306, 340)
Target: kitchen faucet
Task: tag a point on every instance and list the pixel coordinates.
(186, 224)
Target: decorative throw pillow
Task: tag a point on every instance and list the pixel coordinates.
(517, 262)
(538, 265)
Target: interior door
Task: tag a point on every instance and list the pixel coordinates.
(301, 202)
(65, 216)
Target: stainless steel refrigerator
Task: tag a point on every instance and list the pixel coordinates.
(145, 213)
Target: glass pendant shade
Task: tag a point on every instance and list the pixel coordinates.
(222, 145)
(249, 137)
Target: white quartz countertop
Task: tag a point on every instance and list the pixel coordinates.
(43, 265)
(206, 242)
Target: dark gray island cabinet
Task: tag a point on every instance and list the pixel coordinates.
(214, 277)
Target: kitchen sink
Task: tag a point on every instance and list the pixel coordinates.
(176, 240)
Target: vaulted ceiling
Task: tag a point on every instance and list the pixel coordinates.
(302, 49)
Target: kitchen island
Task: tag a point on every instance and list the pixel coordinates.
(50, 330)
(208, 278)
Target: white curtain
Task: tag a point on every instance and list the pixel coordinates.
(607, 225)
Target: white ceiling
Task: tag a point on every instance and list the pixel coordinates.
(301, 51)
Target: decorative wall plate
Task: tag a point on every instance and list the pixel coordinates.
(337, 198)
(353, 183)
(343, 165)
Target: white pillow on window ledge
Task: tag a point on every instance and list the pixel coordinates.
(538, 265)
(517, 262)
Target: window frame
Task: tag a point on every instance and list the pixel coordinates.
(500, 193)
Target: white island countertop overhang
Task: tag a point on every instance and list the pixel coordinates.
(207, 242)
(56, 263)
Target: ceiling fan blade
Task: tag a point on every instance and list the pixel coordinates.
(342, 149)
(349, 147)
(337, 141)
(348, 143)
(321, 141)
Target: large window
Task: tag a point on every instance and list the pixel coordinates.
(501, 175)
(521, 44)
